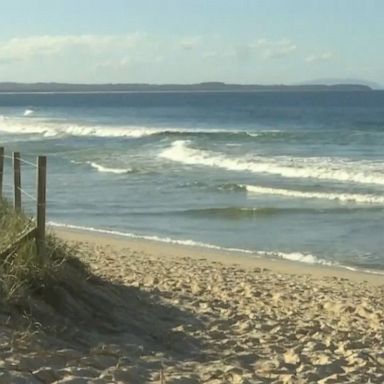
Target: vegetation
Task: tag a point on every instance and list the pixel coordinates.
(60, 293)
(22, 274)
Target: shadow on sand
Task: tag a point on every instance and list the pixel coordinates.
(76, 309)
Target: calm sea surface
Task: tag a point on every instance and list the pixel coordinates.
(290, 175)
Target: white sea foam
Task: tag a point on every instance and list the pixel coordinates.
(146, 237)
(337, 169)
(28, 112)
(292, 256)
(19, 126)
(342, 197)
(59, 129)
(371, 271)
(262, 133)
(102, 168)
(296, 256)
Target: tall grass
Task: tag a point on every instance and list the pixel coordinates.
(22, 273)
(57, 296)
(11, 224)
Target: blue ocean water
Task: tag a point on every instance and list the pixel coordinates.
(292, 175)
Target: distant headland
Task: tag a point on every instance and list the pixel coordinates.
(198, 87)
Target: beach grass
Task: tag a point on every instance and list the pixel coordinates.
(22, 273)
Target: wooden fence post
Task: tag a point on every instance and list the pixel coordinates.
(41, 205)
(17, 181)
(1, 171)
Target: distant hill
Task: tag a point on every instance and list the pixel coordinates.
(335, 80)
(199, 87)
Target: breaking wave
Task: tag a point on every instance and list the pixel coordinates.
(59, 129)
(237, 213)
(292, 167)
(102, 168)
(341, 197)
(28, 112)
(54, 129)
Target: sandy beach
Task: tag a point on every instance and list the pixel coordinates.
(192, 315)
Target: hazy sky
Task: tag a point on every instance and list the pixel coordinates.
(185, 41)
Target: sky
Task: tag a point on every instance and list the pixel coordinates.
(191, 41)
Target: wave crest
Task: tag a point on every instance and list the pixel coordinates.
(104, 169)
(291, 167)
(341, 197)
(53, 129)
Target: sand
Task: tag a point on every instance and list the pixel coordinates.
(192, 315)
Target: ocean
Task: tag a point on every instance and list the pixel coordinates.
(292, 175)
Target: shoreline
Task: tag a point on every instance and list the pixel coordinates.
(166, 251)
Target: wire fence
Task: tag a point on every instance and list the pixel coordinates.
(21, 160)
(11, 189)
(15, 188)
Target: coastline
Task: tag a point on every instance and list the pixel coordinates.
(167, 251)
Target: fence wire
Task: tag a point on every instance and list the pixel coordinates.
(13, 187)
(21, 160)
(27, 194)
(9, 188)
